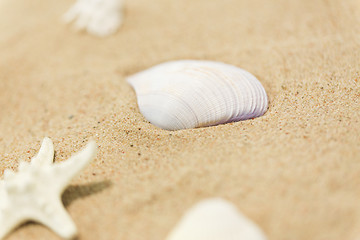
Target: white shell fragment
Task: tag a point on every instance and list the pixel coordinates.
(215, 219)
(34, 192)
(189, 94)
(97, 17)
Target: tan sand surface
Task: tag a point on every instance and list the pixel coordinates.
(295, 171)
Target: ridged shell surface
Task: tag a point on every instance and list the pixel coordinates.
(215, 219)
(189, 93)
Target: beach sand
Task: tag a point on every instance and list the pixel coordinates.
(294, 171)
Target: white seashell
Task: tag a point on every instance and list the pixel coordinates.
(189, 94)
(215, 219)
(98, 17)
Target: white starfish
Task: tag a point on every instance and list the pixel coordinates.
(98, 17)
(34, 192)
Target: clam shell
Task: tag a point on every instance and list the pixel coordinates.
(188, 94)
(215, 219)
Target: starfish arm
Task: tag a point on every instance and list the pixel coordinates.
(57, 219)
(46, 153)
(8, 222)
(68, 169)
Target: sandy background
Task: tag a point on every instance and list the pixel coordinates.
(295, 171)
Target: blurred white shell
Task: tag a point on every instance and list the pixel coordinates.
(215, 219)
(188, 94)
(98, 17)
